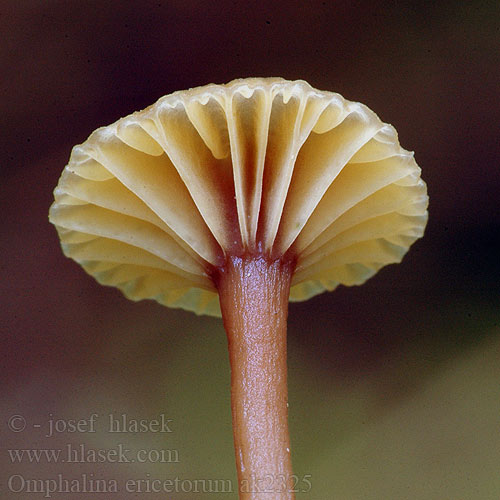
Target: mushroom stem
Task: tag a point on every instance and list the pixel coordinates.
(254, 294)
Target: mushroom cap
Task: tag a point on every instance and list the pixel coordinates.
(154, 202)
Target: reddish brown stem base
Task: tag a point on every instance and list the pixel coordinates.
(254, 301)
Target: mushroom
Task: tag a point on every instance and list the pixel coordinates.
(229, 200)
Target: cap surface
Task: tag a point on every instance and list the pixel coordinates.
(151, 203)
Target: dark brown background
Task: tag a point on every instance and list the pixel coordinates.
(393, 385)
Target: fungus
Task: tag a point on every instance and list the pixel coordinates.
(229, 200)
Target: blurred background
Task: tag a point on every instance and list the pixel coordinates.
(394, 386)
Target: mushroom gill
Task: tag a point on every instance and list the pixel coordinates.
(153, 203)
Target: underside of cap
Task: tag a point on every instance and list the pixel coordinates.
(154, 202)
